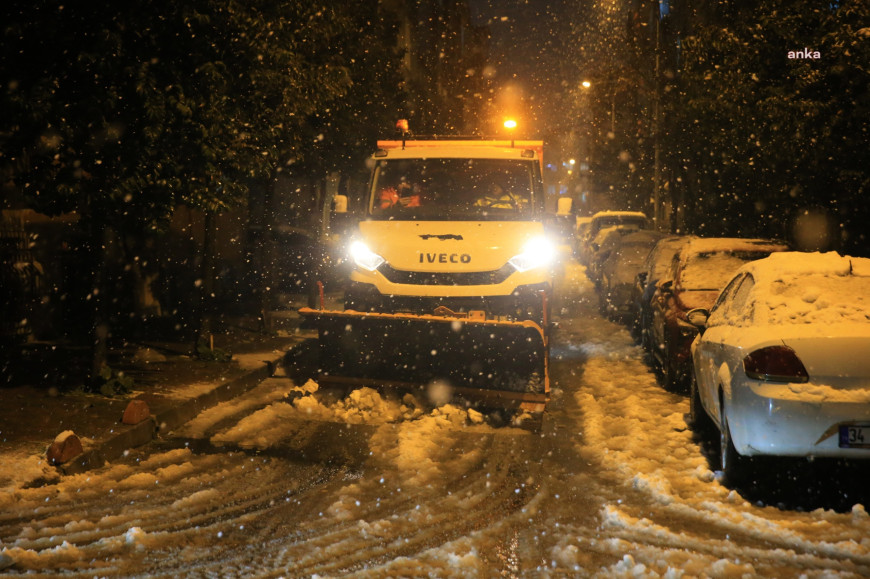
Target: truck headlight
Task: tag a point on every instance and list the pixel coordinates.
(538, 252)
(365, 257)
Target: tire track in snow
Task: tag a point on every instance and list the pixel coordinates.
(394, 512)
(176, 505)
(615, 485)
(636, 432)
(108, 531)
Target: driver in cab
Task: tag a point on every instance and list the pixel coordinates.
(403, 195)
(497, 197)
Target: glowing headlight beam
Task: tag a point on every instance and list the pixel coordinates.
(538, 252)
(364, 257)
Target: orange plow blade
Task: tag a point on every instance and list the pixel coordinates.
(495, 362)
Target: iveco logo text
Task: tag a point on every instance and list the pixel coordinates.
(444, 258)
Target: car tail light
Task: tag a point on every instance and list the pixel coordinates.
(775, 364)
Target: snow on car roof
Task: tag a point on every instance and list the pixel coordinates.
(614, 230)
(706, 264)
(803, 288)
(638, 214)
(796, 263)
(712, 244)
(662, 254)
(642, 236)
(582, 224)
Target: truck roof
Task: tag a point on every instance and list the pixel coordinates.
(463, 149)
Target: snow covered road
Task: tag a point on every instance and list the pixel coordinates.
(290, 481)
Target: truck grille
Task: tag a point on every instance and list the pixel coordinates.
(438, 278)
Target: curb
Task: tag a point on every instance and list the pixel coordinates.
(165, 421)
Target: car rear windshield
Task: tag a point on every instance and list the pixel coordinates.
(712, 270)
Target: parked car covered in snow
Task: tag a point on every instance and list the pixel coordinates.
(656, 264)
(580, 229)
(619, 270)
(605, 220)
(602, 247)
(781, 366)
(698, 273)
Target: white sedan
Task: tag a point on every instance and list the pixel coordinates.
(782, 363)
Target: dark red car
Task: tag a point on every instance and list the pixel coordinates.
(697, 274)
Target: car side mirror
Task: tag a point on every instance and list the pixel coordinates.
(698, 317)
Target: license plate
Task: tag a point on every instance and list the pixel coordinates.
(855, 436)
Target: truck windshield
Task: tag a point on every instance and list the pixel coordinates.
(454, 189)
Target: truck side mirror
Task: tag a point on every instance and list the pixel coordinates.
(563, 206)
(341, 220)
(340, 204)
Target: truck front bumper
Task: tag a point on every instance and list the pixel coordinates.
(524, 303)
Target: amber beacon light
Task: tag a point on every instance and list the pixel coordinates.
(510, 125)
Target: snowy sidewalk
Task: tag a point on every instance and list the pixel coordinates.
(175, 387)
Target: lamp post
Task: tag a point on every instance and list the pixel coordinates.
(657, 122)
(583, 136)
(619, 84)
(586, 85)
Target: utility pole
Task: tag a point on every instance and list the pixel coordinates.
(657, 164)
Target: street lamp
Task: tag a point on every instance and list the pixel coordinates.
(612, 86)
(510, 125)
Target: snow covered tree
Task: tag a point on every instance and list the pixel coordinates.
(613, 110)
(126, 112)
(771, 117)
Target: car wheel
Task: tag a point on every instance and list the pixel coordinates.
(701, 422)
(679, 380)
(634, 327)
(732, 464)
(669, 372)
(673, 375)
(604, 303)
(645, 342)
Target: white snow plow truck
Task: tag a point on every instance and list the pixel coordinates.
(452, 277)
